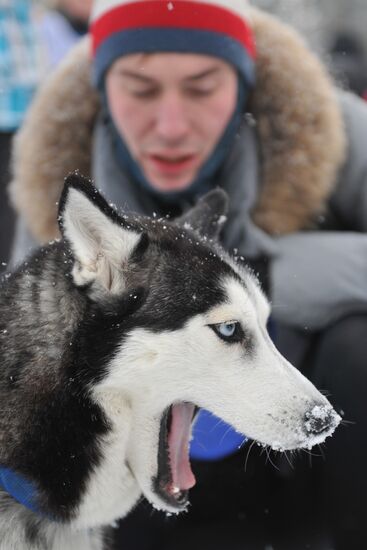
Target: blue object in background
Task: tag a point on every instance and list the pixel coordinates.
(213, 438)
(22, 65)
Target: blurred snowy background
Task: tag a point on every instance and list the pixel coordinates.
(335, 30)
(321, 20)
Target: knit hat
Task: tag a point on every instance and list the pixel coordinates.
(218, 28)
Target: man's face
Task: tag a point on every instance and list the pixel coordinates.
(171, 109)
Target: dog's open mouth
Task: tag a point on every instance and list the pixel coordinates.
(175, 476)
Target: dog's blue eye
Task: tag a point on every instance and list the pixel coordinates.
(230, 332)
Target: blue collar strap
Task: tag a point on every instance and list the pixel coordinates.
(21, 489)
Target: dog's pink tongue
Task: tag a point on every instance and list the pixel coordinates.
(178, 444)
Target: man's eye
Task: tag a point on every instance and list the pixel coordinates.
(147, 93)
(200, 92)
(229, 332)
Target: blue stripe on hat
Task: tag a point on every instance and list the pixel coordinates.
(173, 40)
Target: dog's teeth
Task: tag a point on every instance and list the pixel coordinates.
(175, 490)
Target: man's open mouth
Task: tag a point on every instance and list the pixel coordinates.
(172, 164)
(175, 476)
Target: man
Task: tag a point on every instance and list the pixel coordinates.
(164, 123)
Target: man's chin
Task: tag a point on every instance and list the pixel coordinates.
(169, 180)
(170, 186)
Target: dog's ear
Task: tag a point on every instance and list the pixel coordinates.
(101, 241)
(208, 215)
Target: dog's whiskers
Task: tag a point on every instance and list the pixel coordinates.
(224, 435)
(248, 453)
(268, 452)
(288, 460)
(278, 306)
(311, 454)
(347, 423)
(326, 393)
(321, 451)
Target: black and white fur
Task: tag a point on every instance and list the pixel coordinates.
(100, 333)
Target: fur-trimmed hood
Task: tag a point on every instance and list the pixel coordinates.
(299, 123)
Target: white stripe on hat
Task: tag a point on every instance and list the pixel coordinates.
(240, 7)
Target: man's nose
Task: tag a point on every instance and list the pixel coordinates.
(172, 120)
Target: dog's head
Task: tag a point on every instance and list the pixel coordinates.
(184, 326)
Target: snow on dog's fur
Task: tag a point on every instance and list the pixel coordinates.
(109, 339)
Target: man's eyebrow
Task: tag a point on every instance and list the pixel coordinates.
(150, 80)
(136, 76)
(202, 74)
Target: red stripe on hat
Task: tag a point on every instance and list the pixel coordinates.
(180, 14)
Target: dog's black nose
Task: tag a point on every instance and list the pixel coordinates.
(319, 419)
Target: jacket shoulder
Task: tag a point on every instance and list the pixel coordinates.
(300, 128)
(54, 140)
(354, 111)
(349, 199)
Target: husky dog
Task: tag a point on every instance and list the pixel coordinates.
(109, 340)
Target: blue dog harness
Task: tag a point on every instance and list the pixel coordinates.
(20, 488)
